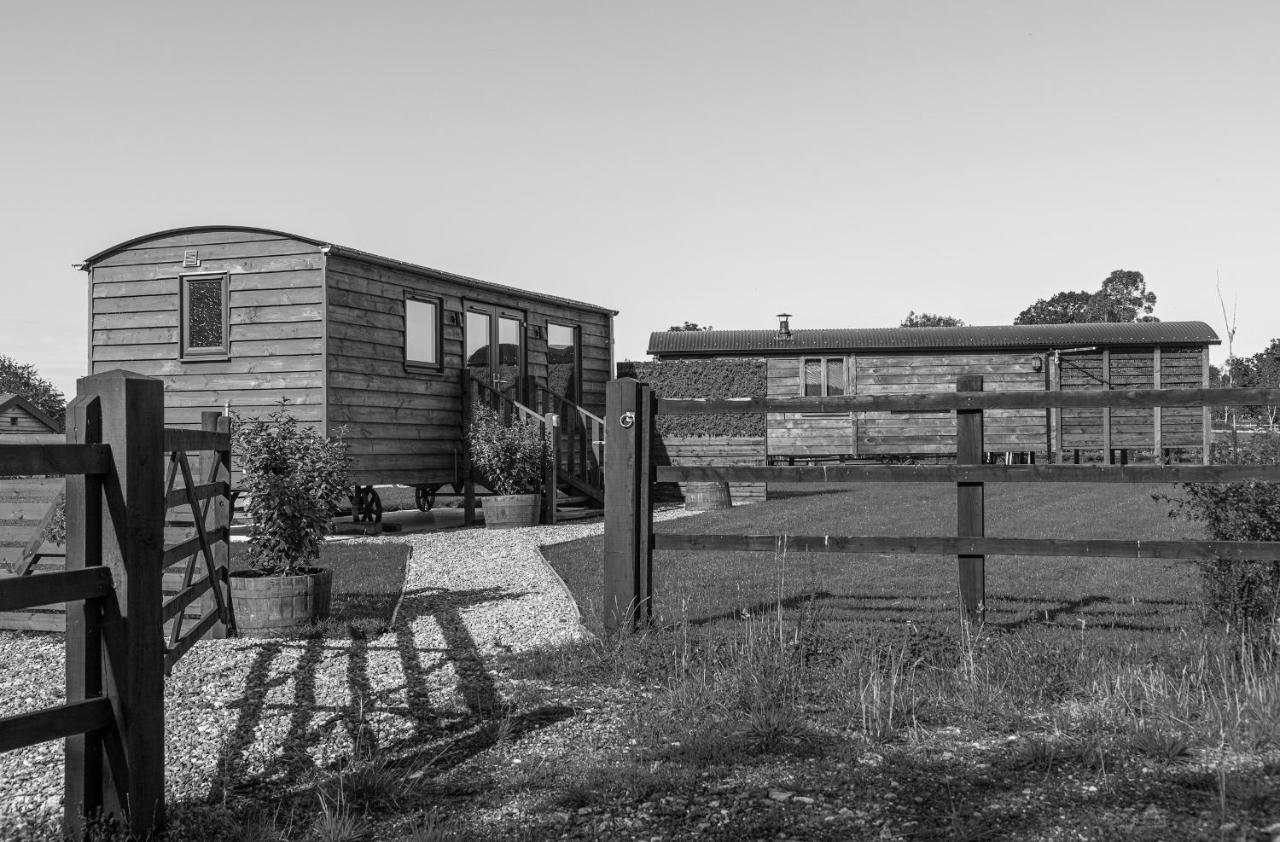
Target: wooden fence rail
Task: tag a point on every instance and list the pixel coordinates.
(116, 657)
(630, 475)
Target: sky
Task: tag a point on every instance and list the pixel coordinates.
(716, 162)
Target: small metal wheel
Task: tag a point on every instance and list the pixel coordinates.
(366, 505)
(425, 497)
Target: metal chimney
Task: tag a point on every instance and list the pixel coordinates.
(784, 326)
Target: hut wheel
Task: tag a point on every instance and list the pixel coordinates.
(425, 497)
(367, 505)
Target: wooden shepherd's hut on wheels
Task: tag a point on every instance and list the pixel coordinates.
(880, 361)
(240, 317)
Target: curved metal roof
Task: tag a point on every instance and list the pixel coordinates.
(703, 343)
(89, 262)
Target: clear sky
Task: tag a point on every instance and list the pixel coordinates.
(712, 161)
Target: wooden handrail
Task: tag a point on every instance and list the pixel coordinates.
(55, 459)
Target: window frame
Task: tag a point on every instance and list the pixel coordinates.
(425, 365)
(576, 330)
(824, 364)
(210, 352)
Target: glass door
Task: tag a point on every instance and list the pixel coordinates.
(495, 345)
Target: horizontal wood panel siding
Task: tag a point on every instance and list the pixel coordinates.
(1180, 368)
(275, 289)
(406, 425)
(716, 450)
(912, 433)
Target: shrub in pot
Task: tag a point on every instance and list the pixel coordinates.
(295, 478)
(512, 459)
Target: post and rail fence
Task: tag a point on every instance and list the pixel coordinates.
(117, 503)
(630, 474)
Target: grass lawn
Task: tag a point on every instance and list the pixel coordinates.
(852, 591)
(367, 581)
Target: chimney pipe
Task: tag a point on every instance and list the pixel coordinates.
(784, 326)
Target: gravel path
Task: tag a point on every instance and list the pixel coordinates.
(248, 714)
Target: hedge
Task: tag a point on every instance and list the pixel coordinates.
(714, 378)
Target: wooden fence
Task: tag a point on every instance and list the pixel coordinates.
(631, 473)
(118, 498)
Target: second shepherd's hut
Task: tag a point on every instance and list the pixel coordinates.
(878, 361)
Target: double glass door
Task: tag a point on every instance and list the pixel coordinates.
(495, 344)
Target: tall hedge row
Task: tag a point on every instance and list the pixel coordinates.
(717, 378)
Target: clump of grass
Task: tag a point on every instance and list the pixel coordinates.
(1159, 745)
(337, 822)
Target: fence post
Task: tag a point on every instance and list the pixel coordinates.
(627, 519)
(83, 753)
(133, 545)
(970, 500)
(550, 480)
(220, 505)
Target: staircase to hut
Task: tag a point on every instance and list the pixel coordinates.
(574, 485)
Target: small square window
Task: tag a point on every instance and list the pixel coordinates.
(13, 420)
(204, 315)
(823, 377)
(422, 332)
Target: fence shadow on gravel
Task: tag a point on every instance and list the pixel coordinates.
(440, 736)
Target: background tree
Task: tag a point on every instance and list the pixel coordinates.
(689, 326)
(23, 379)
(1063, 308)
(1260, 371)
(915, 319)
(1123, 297)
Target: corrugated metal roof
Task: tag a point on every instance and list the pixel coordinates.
(701, 343)
(489, 286)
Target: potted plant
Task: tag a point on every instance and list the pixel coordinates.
(294, 478)
(512, 459)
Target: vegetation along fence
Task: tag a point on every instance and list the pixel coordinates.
(119, 495)
(631, 472)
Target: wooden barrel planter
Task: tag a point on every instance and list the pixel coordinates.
(705, 496)
(510, 511)
(276, 606)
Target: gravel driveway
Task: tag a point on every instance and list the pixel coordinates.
(248, 714)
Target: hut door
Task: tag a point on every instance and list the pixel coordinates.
(495, 345)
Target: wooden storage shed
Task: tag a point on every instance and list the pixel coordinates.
(246, 317)
(20, 417)
(1010, 357)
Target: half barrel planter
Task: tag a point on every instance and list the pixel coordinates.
(511, 511)
(277, 606)
(706, 496)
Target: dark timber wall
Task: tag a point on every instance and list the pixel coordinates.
(323, 327)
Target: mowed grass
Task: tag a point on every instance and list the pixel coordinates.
(1122, 595)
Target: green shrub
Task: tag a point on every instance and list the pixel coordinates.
(295, 478)
(55, 531)
(1244, 594)
(715, 378)
(511, 458)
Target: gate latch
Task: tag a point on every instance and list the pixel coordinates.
(628, 420)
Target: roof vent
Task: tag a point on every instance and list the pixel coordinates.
(784, 326)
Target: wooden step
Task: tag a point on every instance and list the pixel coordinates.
(578, 514)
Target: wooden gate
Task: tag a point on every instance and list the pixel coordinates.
(630, 418)
(113, 716)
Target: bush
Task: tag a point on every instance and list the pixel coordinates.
(1244, 594)
(714, 378)
(55, 531)
(295, 479)
(512, 459)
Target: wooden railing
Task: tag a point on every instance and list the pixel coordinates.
(630, 539)
(577, 437)
(116, 658)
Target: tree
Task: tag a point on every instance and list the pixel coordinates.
(1260, 371)
(1063, 308)
(689, 326)
(22, 379)
(915, 319)
(1123, 297)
